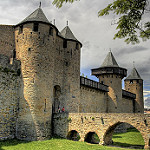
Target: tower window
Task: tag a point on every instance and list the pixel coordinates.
(20, 29)
(131, 81)
(51, 31)
(14, 53)
(66, 63)
(65, 44)
(35, 27)
(77, 46)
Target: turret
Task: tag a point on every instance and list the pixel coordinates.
(134, 84)
(71, 81)
(111, 74)
(35, 39)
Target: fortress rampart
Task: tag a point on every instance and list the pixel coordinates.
(40, 75)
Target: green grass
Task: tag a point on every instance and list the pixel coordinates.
(131, 138)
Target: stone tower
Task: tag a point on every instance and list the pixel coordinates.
(134, 84)
(71, 80)
(35, 39)
(50, 67)
(111, 74)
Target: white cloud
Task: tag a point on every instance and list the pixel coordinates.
(96, 33)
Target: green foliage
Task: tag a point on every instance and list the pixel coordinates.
(69, 120)
(130, 14)
(59, 3)
(128, 25)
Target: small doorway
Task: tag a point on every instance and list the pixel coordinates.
(56, 102)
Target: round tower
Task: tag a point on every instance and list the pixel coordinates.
(71, 82)
(134, 84)
(35, 40)
(111, 74)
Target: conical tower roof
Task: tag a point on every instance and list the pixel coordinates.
(110, 61)
(109, 66)
(37, 16)
(67, 34)
(134, 75)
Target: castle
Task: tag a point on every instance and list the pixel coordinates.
(40, 74)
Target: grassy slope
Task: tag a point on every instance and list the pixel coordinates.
(131, 138)
(62, 144)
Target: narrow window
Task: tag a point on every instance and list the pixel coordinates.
(20, 29)
(71, 53)
(102, 120)
(65, 44)
(77, 46)
(29, 49)
(14, 53)
(66, 63)
(45, 105)
(35, 27)
(131, 81)
(51, 31)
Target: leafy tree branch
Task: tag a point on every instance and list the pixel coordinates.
(130, 14)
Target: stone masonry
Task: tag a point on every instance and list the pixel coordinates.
(103, 124)
(40, 75)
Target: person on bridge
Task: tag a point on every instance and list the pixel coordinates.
(63, 109)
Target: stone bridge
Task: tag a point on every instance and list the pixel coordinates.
(103, 124)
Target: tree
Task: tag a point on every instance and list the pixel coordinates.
(129, 24)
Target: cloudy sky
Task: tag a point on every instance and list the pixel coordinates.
(95, 33)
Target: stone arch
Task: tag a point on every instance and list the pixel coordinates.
(110, 130)
(73, 135)
(92, 137)
(56, 101)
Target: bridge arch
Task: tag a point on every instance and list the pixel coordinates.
(73, 135)
(92, 137)
(108, 134)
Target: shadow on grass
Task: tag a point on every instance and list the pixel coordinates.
(128, 145)
(132, 130)
(117, 137)
(12, 142)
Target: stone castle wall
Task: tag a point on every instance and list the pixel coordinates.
(127, 105)
(50, 78)
(9, 96)
(93, 100)
(7, 44)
